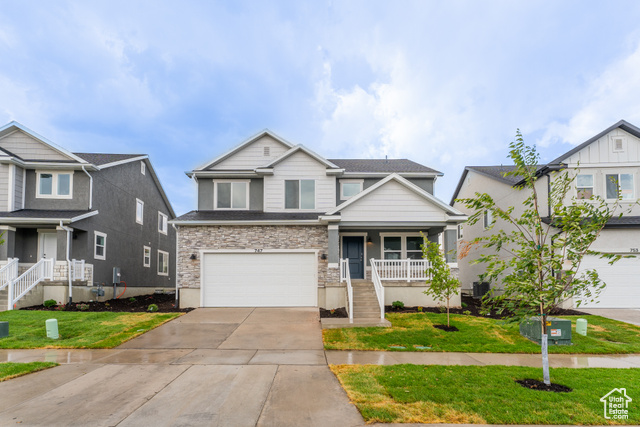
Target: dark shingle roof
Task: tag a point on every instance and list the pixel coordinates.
(44, 213)
(99, 159)
(247, 216)
(498, 173)
(382, 165)
(615, 222)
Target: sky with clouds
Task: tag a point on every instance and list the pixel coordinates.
(444, 83)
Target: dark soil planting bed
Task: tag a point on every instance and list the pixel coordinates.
(141, 303)
(336, 313)
(540, 385)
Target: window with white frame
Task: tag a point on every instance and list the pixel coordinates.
(349, 188)
(163, 263)
(54, 185)
(99, 245)
(619, 186)
(139, 211)
(460, 232)
(143, 167)
(584, 186)
(402, 246)
(231, 194)
(487, 219)
(617, 144)
(162, 223)
(300, 194)
(146, 256)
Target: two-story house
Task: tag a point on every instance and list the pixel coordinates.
(70, 218)
(280, 225)
(604, 164)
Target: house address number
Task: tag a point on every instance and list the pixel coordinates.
(258, 250)
(633, 250)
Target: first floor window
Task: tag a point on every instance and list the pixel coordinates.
(54, 185)
(100, 245)
(584, 185)
(300, 194)
(139, 211)
(402, 247)
(620, 185)
(163, 263)
(162, 223)
(146, 256)
(488, 219)
(460, 232)
(232, 195)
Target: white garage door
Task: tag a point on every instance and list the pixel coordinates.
(259, 280)
(622, 279)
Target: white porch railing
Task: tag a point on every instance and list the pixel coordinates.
(19, 287)
(345, 275)
(377, 284)
(77, 269)
(9, 272)
(401, 269)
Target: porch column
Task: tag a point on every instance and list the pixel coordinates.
(8, 248)
(61, 253)
(334, 244)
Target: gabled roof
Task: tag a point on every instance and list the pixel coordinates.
(383, 166)
(622, 124)
(249, 141)
(305, 150)
(409, 185)
(13, 126)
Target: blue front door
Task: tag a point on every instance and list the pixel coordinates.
(353, 249)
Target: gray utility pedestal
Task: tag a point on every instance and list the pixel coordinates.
(558, 330)
(4, 329)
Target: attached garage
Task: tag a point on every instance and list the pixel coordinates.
(622, 279)
(265, 279)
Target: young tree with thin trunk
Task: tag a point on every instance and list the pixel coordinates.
(538, 261)
(443, 286)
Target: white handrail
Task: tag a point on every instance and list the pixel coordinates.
(38, 272)
(377, 285)
(402, 269)
(9, 272)
(77, 266)
(346, 274)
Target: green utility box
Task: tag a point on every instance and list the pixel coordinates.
(558, 330)
(4, 329)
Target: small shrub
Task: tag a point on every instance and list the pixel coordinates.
(50, 303)
(463, 304)
(397, 305)
(332, 311)
(132, 299)
(152, 308)
(61, 307)
(467, 312)
(419, 309)
(442, 309)
(83, 307)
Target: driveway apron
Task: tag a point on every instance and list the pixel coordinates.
(215, 366)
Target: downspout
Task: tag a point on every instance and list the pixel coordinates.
(90, 187)
(68, 230)
(176, 269)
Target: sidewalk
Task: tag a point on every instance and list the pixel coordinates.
(338, 357)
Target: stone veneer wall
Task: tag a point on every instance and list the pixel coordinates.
(193, 238)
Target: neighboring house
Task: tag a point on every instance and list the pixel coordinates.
(101, 210)
(275, 220)
(612, 156)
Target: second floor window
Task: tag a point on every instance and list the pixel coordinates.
(55, 185)
(584, 185)
(100, 245)
(139, 211)
(487, 219)
(162, 223)
(300, 194)
(232, 195)
(619, 185)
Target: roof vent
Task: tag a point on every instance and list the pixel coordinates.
(617, 144)
(267, 151)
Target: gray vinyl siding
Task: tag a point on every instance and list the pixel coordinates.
(425, 183)
(29, 148)
(114, 196)
(4, 188)
(80, 194)
(18, 188)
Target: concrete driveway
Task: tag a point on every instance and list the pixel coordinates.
(628, 315)
(230, 366)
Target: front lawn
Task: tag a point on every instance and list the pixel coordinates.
(10, 370)
(479, 335)
(78, 329)
(483, 394)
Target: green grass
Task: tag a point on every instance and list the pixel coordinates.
(78, 329)
(480, 335)
(483, 394)
(11, 370)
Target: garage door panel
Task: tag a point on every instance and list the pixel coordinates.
(263, 279)
(622, 280)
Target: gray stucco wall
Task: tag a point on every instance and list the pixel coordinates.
(26, 244)
(80, 194)
(115, 192)
(205, 194)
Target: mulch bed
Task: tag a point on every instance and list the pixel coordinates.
(540, 385)
(165, 303)
(472, 306)
(337, 313)
(446, 328)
